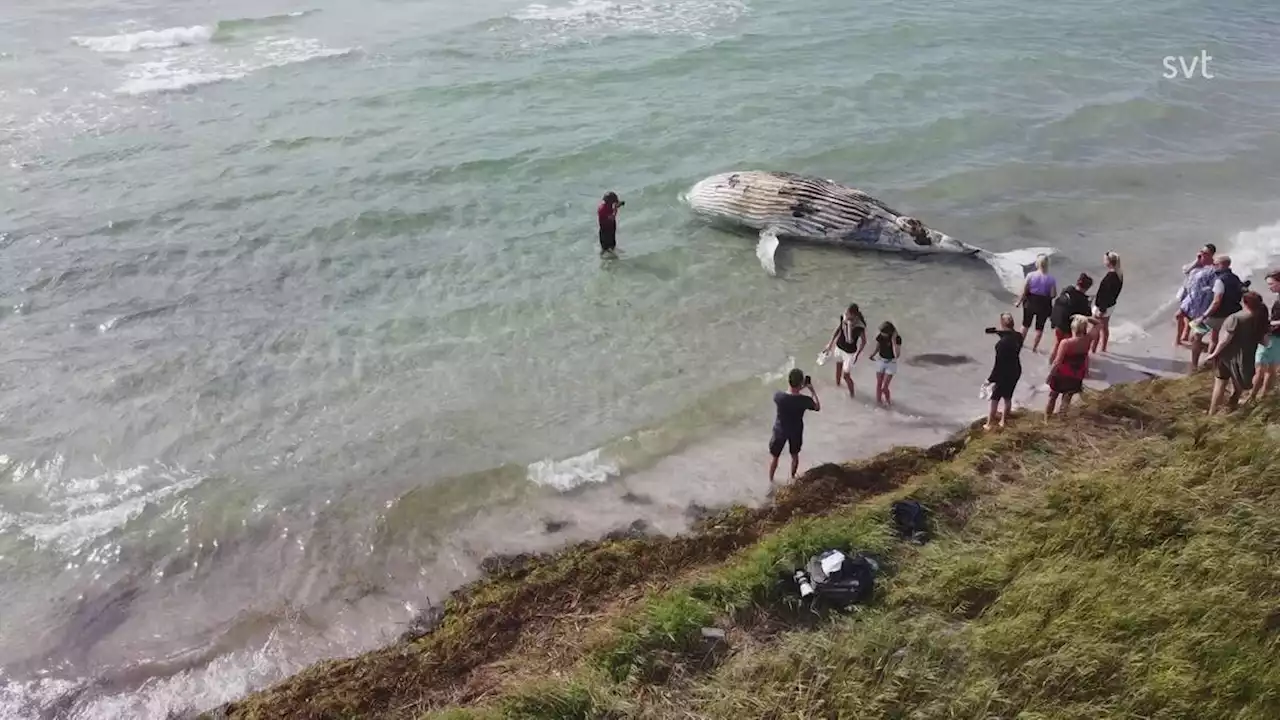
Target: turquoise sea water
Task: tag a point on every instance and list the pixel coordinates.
(301, 312)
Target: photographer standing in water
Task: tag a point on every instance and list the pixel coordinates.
(607, 214)
(788, 427)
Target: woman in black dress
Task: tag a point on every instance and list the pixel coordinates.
(1105, 301)
(1007, 369)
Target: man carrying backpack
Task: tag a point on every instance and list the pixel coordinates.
(1070, 302)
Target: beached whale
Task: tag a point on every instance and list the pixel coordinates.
(787, 206)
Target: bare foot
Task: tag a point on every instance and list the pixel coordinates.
(1002, 424)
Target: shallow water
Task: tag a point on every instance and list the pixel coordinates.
(303, 313)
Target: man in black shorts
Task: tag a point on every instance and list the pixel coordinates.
(788, 428)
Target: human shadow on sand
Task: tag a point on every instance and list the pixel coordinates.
(646, 264)
(1148, 366)
(937, 359)
(866, 397)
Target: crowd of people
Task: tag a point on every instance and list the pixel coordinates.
(1225, 325)
(1218, 313)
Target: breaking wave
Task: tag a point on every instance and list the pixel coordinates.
(147, 39)
(564, 475)
(178, 36)
(179, 73)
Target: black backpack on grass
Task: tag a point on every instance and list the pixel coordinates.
(911, 520)
(837, 580)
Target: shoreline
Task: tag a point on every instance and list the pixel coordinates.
(508, 600)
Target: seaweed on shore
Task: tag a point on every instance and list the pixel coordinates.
(483, 621)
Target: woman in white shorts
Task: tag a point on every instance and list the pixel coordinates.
(848, 341)
(1105, 301)
(888, 349)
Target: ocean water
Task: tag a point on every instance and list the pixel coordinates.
(302, 313)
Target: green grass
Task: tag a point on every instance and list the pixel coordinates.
(1138, 584)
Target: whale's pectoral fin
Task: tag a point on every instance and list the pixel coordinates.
(766, 249)
(1013, 266)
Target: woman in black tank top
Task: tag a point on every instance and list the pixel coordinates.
(850, 339)
(888, 348)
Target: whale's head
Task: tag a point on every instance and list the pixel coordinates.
(716, 195)
(737, 200)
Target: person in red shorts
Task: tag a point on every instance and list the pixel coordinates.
(1069, 365)
(607, 214)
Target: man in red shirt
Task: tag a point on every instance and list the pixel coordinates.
(607, 214)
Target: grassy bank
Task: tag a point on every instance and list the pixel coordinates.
(1124, 562)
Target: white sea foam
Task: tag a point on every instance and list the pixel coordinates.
(182, 71)
(657, 17)
(578, 9)
(1251, 251)
(278, 52)
(157, 77)
(81, 510)
(564, 475)
(25, 700)
(226, 678)
(1127, 332)
(1254, 250)
(147, 39)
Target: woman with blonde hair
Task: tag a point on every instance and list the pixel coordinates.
(1006, 371)
(1070, 363)
(1036, 301)
(1105, 299)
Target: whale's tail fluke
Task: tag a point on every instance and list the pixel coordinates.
(1013, 266)
(766, 248)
